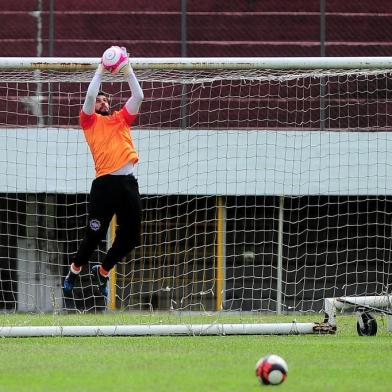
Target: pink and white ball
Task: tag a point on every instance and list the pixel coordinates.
(271, 370)
(114, 59)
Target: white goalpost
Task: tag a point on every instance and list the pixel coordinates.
(266, 189)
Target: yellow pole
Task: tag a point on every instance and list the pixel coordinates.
(219, 255)
(113, 275)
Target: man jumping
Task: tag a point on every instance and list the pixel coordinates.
(115, 190)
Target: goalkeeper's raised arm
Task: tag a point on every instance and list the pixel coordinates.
(134, 102)
(115, 190)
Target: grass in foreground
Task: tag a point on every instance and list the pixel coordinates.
(341, 362)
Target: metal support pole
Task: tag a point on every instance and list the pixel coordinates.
(322, 54)
(51, 54)
(221, 256)
(183, 54)
(322, 28)
(184, 28)
(113, 275)
(280, 255)
(51, 28)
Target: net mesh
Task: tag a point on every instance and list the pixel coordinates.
(297, 162)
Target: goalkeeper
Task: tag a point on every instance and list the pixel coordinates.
(115, 189)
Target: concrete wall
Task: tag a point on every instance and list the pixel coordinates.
(206, 162)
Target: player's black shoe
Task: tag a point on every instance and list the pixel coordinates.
(101, 280)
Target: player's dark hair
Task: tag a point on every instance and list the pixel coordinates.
(101, 93)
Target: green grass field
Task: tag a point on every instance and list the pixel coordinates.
(341, 362)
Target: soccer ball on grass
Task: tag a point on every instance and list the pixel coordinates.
(271, 370)
(114, 59)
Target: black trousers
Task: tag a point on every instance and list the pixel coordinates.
(112, 195)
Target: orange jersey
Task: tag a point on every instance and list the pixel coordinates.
(110, 140)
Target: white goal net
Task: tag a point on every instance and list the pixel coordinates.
(266, 185)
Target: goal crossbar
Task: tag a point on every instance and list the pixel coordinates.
(203, 118)
(208, 63)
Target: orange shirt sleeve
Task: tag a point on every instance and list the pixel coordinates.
(128, 118)
(87, 120)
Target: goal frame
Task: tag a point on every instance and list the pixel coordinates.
(213, 63)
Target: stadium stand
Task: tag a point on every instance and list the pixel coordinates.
(229, 28)
(251, 28)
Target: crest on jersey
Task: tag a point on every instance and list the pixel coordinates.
(95, 224)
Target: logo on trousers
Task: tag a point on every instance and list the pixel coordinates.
(95, 224)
